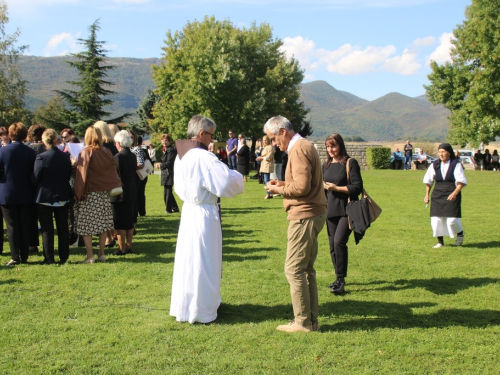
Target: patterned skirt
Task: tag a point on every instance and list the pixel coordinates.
(94, 214)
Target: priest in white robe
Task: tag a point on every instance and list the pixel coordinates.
(199, 179)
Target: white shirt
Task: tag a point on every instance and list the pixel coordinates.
(458, 173)
(294, 139)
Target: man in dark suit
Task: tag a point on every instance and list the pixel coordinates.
(16, 191)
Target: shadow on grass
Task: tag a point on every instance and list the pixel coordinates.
(376, 315)
(439, 286)
(248, 313)
(483, 245)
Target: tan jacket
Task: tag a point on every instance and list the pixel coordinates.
(96, 170)
(267, 165)
(303, 193)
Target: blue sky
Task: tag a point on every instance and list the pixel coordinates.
(366, 47)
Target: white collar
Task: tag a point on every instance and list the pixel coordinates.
(294, 139)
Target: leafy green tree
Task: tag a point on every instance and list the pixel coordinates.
(12, 86)
(237, 77)
(54, 114)
(144, 114)
(88, 103)
(469, 85)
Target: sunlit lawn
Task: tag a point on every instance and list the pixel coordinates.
(408, 308)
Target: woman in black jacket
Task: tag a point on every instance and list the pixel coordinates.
(124, 204)
(167, 173)
(243, 155)
(339, 187)
(51, 176)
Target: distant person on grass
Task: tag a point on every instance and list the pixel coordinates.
(421, 159)
(304, 201)
(408, 150)
(447, 176)
(199, 179)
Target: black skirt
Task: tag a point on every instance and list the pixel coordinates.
(123, 215)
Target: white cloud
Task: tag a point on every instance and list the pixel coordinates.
(62, 44)
(349, 59)
(424, 42)
(406, 64)
(442, 53)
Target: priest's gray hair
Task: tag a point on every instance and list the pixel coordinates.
(123, 138)
(198, 123)
(274, 124)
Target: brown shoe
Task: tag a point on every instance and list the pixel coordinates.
(292, 327)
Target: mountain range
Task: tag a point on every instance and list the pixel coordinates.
(392, 117)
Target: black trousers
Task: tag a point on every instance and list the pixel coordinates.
(169, 199)
(338, 235)
(34, 240)
(46, 215)
(17, 219)
(141, 197)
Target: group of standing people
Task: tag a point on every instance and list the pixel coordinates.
(486, 161)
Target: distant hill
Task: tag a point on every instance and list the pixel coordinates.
(391, 117)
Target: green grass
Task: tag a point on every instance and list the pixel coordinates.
(409, 309)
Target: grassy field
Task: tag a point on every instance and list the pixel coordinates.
(409, 309)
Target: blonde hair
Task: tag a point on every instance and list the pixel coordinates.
(113, 129)
(93, 137)
(49, 138)
(105, 132)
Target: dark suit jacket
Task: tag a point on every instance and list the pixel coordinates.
(51, 176)
(127, 164)
(16, 168)
(167, 166)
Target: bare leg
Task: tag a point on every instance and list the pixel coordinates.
(121, 239)
(130, 236)
(87, 240)
(102, 241)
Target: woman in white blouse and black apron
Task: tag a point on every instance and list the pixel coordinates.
(447, 175)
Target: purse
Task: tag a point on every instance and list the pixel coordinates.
(115, 191)
(374, 208)
(146, 170)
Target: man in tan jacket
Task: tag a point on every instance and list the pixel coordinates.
(305, 202)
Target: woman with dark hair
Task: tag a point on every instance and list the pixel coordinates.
(51, 177)
(141, 184)
(339, 188)
(96, 174)
(167, 173)
(4, 137)
(447, 176)
(17, 192)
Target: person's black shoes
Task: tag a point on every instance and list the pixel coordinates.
(338, 287)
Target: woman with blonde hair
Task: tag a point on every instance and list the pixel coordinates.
(107, 137)
(96, 174)
(51, 177)
(266, 159)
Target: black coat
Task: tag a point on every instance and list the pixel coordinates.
(167, 166)
(51, 176)
(127, 164)
(243, 160)
(16, 169)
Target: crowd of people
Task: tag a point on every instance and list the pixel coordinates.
(94, 190)
(88, 189)
(486, 161)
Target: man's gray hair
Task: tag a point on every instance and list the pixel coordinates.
(274, 124)
(198, 123)
(123, 138)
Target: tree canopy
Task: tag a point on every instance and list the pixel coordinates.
(237, 77)
(469, 86)
(88, 103)
(12, 86)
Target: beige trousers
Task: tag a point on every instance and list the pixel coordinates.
(302, 249)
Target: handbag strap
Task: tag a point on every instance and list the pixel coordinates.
(348, 172)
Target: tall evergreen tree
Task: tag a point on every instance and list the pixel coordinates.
(88, 103)
(12, 86)
(145, 114)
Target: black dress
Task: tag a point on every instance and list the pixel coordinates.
(167, 179)
(243, 160)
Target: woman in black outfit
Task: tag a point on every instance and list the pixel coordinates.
(338, 190)
(167, 173)
(243, 155)
(51, 177)
(124, 204)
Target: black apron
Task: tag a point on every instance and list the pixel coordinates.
(443, 187)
